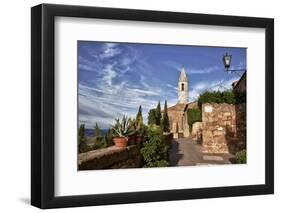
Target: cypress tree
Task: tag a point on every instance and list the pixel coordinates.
(97, 131)
(165, 119)
(82, 146)
(151, 117)
(139, 119)
(81, 132)
(158, 114)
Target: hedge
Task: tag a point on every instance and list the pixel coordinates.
(228, 97)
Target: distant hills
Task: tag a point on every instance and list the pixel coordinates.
(91, 132)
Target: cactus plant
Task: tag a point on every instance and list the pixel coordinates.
(123, 128)
(121, 131)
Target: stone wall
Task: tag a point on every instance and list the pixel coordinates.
(196, 132)
(223, 127)
(111, 158)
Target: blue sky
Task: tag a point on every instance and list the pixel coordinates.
(115, 78)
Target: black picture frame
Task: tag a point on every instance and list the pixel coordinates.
(43, 105)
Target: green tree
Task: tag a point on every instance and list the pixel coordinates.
(108, 137)
(152, 117)
(139, 119)
(165, 119)
(97, 131)
(82, 145)
(158, 114)
(155, 150)
(81, 132)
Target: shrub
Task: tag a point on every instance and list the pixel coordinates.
(193, 115)
(155, 150)
(241, 157)
(229, 97)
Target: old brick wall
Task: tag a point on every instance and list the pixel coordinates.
(111, 158)
(223, 127)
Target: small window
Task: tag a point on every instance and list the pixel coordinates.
(182, 87)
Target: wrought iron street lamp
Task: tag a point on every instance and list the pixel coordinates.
(227, 63)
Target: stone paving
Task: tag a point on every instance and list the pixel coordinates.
(186, 152)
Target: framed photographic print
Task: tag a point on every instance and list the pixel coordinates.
(139, 106)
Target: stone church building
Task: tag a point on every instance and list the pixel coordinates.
(178, 113)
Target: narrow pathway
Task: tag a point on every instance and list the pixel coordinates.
(186, 152)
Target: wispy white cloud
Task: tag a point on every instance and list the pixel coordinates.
(218, 85)
(110, 50)
(192, 70)
(174, 88)
(204, 70)
(88, 65)
(112, 96)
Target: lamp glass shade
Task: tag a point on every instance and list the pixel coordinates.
(226, 60)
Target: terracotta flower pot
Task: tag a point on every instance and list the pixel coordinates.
(120, 141)
(139, 139)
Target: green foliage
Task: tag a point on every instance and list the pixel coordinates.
(91, 143)
(142, 130)
(139, 119)
(82, 145)
(97, 131)
(193, 115)
(109, 137)
(241, 157)
(165, 119)
(155, 150)
(158, 114)
(229, 97)
(81, 131)
(152, 117)
(100, 142)
(123, 128)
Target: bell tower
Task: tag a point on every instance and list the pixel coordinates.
(182, 87)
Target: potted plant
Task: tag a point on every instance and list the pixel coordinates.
(122, 130)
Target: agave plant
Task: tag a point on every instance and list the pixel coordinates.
(123, 128)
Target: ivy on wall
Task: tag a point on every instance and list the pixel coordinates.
(193, 115)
